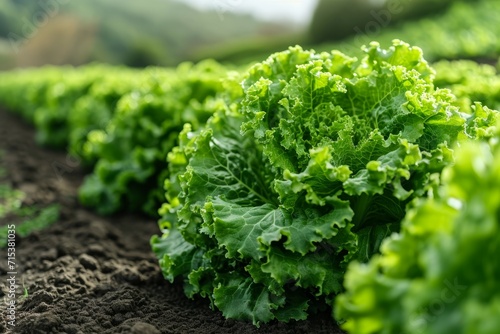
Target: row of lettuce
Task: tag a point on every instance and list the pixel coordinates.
(117, 122)
(281, 178)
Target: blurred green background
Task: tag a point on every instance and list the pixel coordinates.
(167, 32)
(135, 33)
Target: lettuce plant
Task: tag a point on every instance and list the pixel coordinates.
(306, 166)
(439, 275)
(470, 82)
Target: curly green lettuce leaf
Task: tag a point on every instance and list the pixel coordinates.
(229, 202)
(309, 167)
(439, 274)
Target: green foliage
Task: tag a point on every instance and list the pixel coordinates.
(467, 29)
(10, 200)
(27, 219)
(470, 82)
(119, 121)
(439, 275)
(309, 167)
(131, 149)
(30, 220)
(56, 99)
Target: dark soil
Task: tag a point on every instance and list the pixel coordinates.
(89, 274)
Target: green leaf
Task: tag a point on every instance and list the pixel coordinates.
(176, 256)
(423, 266)
(319, 271)
(240, 298)
(244, 231)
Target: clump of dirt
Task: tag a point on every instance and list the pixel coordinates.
(89, 274)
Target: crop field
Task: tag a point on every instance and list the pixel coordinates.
(348, 185)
